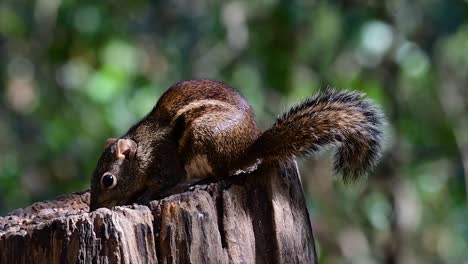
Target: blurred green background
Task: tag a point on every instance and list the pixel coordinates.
(73, 73)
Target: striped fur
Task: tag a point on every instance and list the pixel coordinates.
(204, 128)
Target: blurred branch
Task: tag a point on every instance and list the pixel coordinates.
(389, 174)
(454, 104)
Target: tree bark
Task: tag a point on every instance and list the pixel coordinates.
(256, 217)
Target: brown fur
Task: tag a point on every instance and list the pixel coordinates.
(208, 127)
(344, 119)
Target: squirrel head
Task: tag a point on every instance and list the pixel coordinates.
(116, 177)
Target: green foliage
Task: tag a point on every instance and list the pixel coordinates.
(73, 73)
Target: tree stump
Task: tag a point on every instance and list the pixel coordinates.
(255, 217)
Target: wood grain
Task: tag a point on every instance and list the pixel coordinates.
(257, 217)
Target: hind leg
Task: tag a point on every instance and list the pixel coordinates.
(212, 143)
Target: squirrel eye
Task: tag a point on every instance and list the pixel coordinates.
(108, 181)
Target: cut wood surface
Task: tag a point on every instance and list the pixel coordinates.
(257, 217)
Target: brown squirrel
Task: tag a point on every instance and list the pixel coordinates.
(204, 128)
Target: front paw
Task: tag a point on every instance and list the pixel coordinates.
(203, 187)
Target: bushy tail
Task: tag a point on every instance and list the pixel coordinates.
(333, 117)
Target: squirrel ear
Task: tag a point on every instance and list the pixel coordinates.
(126, 148)
(109, 142)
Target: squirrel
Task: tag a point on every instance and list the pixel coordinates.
(204, 128)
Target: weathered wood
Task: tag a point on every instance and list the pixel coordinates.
(259, 217)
